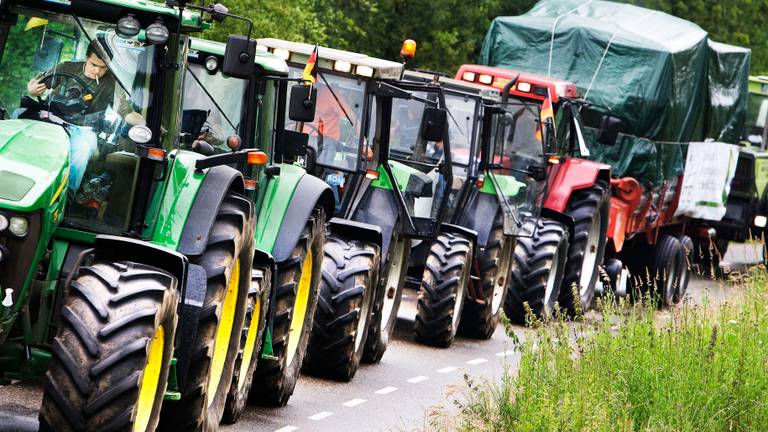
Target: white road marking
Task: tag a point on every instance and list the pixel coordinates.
(447, 369)
(504, 353)
(417, 379)
(321, 415)
(386, 390)
(477, 361)
(353, 402)
(287, 429)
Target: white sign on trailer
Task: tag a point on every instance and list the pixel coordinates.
(709, 169)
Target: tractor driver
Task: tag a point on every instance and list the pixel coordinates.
(94, 72)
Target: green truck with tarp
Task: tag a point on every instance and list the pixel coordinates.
(669, 85)
(127, 259)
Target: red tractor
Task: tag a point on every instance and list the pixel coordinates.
(560, 260)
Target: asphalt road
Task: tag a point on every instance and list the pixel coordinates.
(396, 395)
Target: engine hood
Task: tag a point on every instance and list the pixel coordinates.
(34, 164)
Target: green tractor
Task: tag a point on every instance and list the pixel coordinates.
(378, 142)
(127, 262)
(220, 115)
(497, 166)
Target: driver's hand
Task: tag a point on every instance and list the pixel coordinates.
(134, 119)
(35, 88)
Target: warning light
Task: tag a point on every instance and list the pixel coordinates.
(257, 158)
(372, 174)
(408, 51)
(156, 154)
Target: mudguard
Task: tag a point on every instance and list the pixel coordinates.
(560, 217)
(379, 208)
(478, 216)
(460, 230)
(570, 175)
(353, 230)
(220, 180)
(309, 193)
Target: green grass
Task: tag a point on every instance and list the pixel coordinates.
(703, 369)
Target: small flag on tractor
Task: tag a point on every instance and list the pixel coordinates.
(546, 115)
(310, 70)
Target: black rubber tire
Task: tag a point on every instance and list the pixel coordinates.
(537, 259)
(666, 269)
(349, 279)
(686, 260)
(443, 288)
(275, 379)
(709, 254)
(491, 266)
(585, 206)
(379, 330)
(111, 313)
(230, 245)
(256, 314)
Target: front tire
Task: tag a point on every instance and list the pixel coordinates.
(590, 210)
(442, 290)
(537, 272)
(298, 280)
(227, 262)
(343, 315)
(479, 320)
(112, 352)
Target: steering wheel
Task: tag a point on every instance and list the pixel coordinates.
(75, 98)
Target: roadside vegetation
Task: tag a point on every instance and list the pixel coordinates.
(704, 368)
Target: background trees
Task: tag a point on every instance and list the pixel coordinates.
(450, 32)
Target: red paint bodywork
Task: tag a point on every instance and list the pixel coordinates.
(569, 175)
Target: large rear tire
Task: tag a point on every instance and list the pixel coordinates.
(537, 271)
(590, 210)
(686, 263)
(250, 344)
(227, 262)
(666, 269)
(298, 280)
(343, 315)
(112, 352)
(442, 290)
(494, 262)
(387, 300)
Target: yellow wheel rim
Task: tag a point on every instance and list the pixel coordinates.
(224, 332)
(250, 344)
(300, 307)
(149, 381)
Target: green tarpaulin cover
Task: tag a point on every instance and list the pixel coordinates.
(660, 74)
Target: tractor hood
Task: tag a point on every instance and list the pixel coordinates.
(34, 162)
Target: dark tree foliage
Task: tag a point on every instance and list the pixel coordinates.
(450, 32)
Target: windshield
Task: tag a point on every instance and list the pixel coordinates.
(461, 115)
(517, 152)
(335, 133)
(757, 112)
(96, 85)
(213, 116)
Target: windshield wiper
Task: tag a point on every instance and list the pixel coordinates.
(336, 98)
(205, 90)
(104, 50)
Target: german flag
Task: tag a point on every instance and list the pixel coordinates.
(546, 114)
(310, 70)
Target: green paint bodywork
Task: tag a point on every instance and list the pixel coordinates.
(508, 185)
(402, 173)
(273, 205)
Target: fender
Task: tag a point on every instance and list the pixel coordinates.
(310, 191)
(460, 230)
(220, 180)
(547, 213)
(355, 230)
(571, 175)
(478, 216)
(378, 208)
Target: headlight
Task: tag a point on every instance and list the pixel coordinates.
(19, 226)
(3, 223)
(760, 221)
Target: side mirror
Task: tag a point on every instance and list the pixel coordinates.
(434, 124)
(291, 145)
(239, 56)
(609, 130)
(302, 106)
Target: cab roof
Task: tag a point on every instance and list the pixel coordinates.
(266, 61)
(498, 77)
(454, 85)
(334, 59)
